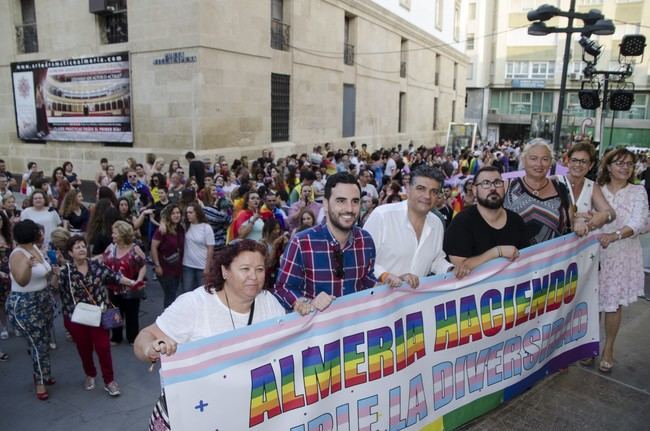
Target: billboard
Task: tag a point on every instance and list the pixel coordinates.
(79, 99)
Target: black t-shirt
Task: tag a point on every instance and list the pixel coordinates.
(197, 170)
(158, 207)
(469, 235)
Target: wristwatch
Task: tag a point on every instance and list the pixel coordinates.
(619, 235)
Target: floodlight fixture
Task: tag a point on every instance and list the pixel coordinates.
(589, 97)
(591, 47)
(632, 45)
(621, 99)
(543, 13)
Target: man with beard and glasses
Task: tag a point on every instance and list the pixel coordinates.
(331, 259)
(408, 236)
(487, 230)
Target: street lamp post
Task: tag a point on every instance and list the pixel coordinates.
(594, 22)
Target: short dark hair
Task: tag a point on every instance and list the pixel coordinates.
(69, 244)
(308, 175)
(340, 178)
(486, 168)
(583, 146)
(189, 155)
(619, 153)
(26, 231)
(427, 172)
(103, 160)
(214, 281)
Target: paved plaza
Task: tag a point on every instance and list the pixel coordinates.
(582, 399)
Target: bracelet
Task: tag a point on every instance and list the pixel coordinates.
(499, 251)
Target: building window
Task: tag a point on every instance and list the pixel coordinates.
(279, 107)
(439, 13)
(455, 76)
(453, 111)
(471, 11)
(403, 52)
(114, 26)
(401, 119)
(457, 22)
(279, 29)
(435, 113)
(470, 71)
(406, 4)
(530, 69)
(26, 35)
(469, 42)
(349, 110)
(437, 76)
(348, 46)
(521, 102)
(576, 66)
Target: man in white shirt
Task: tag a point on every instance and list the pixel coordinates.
(365, 176)
(408, 237)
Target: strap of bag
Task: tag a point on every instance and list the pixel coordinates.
(82, 285)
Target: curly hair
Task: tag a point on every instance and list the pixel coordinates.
(214, 281)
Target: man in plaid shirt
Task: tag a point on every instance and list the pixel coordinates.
(328, 260)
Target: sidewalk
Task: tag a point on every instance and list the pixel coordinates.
(582, 399)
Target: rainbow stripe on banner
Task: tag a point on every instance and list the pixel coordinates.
(432, 358)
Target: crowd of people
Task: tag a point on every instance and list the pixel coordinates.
(275, 235)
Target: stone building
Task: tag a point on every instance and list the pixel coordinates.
(234, 77)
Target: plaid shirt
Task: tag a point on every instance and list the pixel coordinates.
(309, 265)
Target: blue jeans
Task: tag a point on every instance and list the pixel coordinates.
(192, 278)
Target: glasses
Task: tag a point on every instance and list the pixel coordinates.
(338, 256)
(622, 164)
(487, 184)
(180, 172)
(131, 177)
(583, 162)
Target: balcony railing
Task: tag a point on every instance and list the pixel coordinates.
(279, 35)
(116, 28)
(26, 38)
(402, 69)
(348, 54)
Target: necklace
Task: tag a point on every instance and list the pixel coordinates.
(229, 310)
(250, 314)
(535, 191)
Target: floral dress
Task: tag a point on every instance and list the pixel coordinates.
(621, 277)
(5, 282)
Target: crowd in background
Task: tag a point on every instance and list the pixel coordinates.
(174, 215)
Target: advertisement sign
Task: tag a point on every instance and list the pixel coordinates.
(81, 99)
(395, 359)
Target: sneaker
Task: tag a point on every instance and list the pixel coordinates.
(4, 334)
(112, 389)
(89, 383)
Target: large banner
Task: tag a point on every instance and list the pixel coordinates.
(394, 359)
(80, 99)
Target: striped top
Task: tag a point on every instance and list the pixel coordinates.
(544, 218)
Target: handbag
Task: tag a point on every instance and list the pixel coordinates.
(112, 318)
(87, 314)
(175, 256)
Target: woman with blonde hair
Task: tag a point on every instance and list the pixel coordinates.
(125, 257)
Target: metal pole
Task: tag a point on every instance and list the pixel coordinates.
(601, 132)
(565, 69)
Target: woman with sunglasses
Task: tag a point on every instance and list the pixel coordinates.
(232, 297)
(621, 278)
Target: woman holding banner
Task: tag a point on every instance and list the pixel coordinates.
(621, 278)
(233, 297)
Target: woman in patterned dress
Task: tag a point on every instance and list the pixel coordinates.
(541, 201)
(621, 278)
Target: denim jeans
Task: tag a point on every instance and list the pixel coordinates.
(170, 287)
(192, 278)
